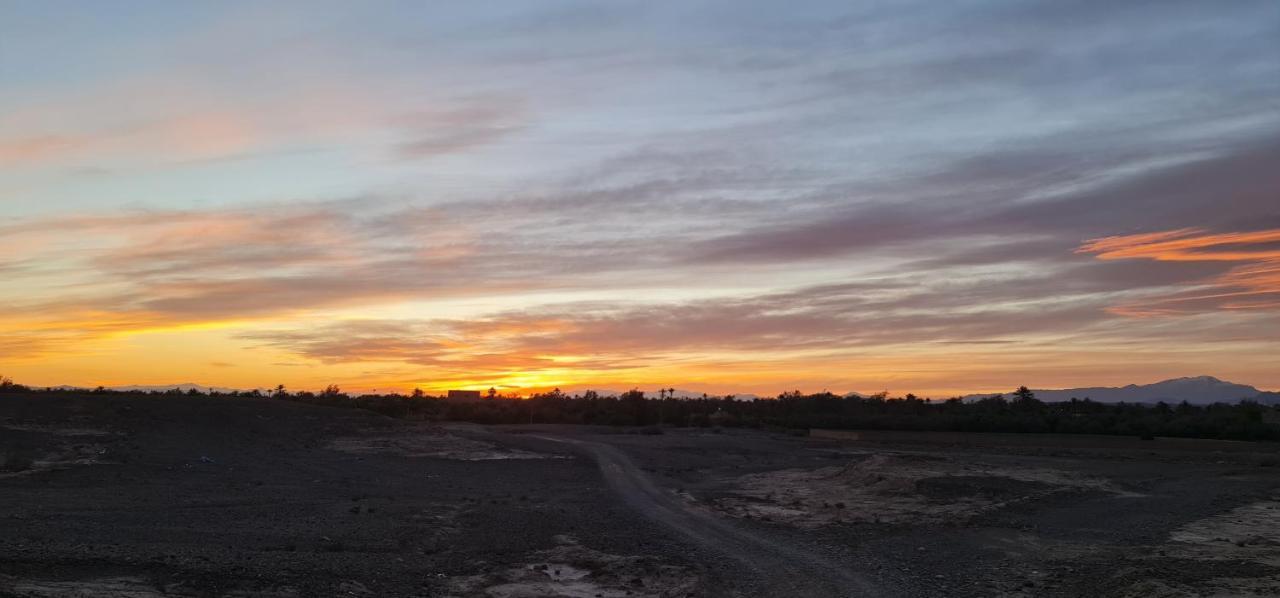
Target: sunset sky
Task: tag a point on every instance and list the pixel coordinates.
(929, 197)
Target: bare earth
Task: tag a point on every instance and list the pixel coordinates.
(235, 497)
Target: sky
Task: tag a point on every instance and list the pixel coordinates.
(729, 196)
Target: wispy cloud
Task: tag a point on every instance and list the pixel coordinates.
(1253, 284)
(186, 137)
(474, 122)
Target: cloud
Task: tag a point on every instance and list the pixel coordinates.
(96, 275)
(475, 122)
(194, 124)
(619, 229)
(35, 148)
(444, 348)
(838, 329)
(184, 137)
(1253, 284)
(982, 197)
(1189, 245)
(610, 335)
(911, 321)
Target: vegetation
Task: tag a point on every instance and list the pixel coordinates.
(796, 411)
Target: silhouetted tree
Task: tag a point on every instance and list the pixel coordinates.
(8, 385)
(797, 411)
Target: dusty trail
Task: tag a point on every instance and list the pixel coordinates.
(783, 570)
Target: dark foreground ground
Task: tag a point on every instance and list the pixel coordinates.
(140, 498)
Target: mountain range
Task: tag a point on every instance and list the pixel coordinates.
(1199, 390)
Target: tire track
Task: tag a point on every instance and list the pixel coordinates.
(783, 569)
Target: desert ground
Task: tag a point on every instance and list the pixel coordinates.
(193, 496)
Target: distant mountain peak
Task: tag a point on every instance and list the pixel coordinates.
(1192, 379)
(1192, 389)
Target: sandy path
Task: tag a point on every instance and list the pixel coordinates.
(783, 569)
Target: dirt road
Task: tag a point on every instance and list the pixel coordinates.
(781, 569)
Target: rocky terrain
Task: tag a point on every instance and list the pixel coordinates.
(197, 496)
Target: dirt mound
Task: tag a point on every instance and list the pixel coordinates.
(892, 488)
(878, 474)
(974, 486)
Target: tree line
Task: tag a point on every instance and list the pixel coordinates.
(1021, 411)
